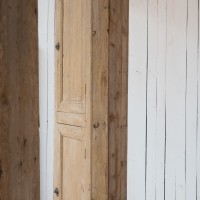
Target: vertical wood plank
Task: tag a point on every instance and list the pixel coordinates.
(161, 100)
(4, 106)
(115, 68)
(198, 112)
(151, 100)
(118, 46)
(175, 99)
(19, 148)
(100, 26)
(172, 101)
(138, 61)
(191, 98)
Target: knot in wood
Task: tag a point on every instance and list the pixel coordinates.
(96, 125)
(58, 46)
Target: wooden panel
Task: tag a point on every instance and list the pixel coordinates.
(70, 131)
(171, 143)
(71, 119)
(72, 69)
(191, 101)
(71, 163)
(137, 99)
(71, 168)
(19, 132)
(175, 99)
(100, 33)
(151, 103)
(72, 174)
(161, 103)
(86, 67)
(118, 76)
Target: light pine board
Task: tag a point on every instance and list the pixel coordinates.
(72, 163)
(91, 99)
(163, 124)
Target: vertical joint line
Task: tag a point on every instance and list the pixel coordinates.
(147, 66)
(186, 85)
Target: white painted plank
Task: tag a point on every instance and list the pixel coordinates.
(51, 113)
(43, 58)
(173, 102)
(198, 112)
(191, 99)
(175, 99)
(161, 84)
(137, 98)
(151, 100)
(181, 116)
(46, 74)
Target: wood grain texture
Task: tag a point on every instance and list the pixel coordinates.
(100, 37)
(118, 77)
(101, 110)
(72, 169)
(19, 132)
(110, 66)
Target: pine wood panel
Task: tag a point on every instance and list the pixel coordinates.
(19, 131)
(72, 175)
(74, 61)
(100, 37)
(91, 85)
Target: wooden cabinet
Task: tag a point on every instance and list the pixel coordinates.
(91, 99)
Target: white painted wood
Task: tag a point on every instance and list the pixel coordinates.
(198, 113)
(175, 99)
(51, 70)
(191, 99)
(46, 74)
(161, 94)
(151, 100)
(137, 105)
(43, 15)
(164, 121)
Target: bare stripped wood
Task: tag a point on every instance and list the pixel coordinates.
(70, 131)
(72, 168)
(71, 119)
(118, 64)
(91, 99)
(19, 131)
(100, 35)
(72, 178)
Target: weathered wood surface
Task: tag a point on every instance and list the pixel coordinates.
(100, 38)
(91, 95)
(164, 102)
(19, 131)
(118, 90)
(72, 166)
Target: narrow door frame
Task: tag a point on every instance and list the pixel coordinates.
(46, 9)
